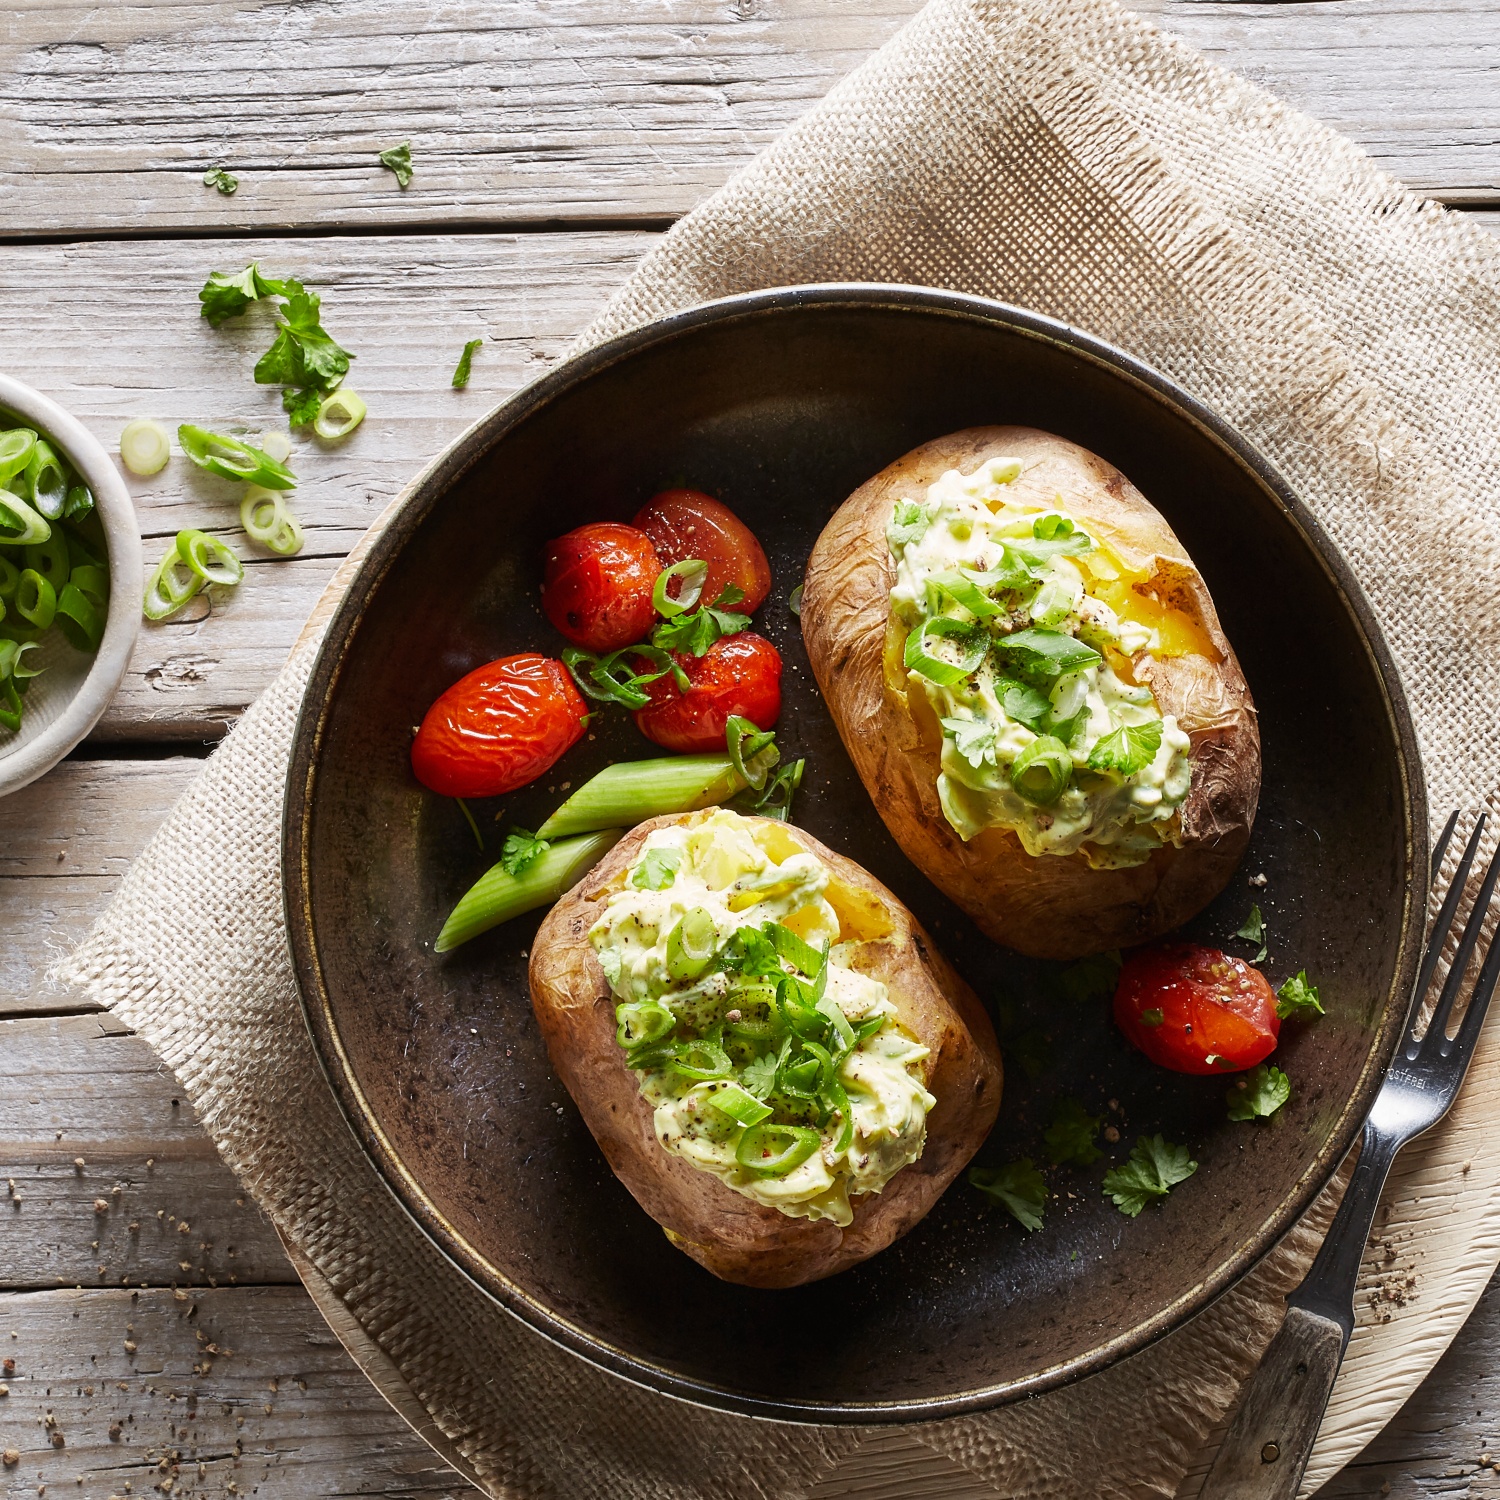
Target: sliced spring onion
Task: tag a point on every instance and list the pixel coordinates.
(702, 1059)
(10, 578)
(78, 619)
(752, 750)
(966, 593)
(739, 1104)
(497, 896)
(276, 441)
(613, 678)
(20, 525)
(465, 366)
(776, 800)
(51, 558)
(643, 1024)
(794, 601)
(1041, 771)
(92, 582)
(339, 414)
(801, 955)
(145, 446)
(10, 705)
(231, 459)
(170, 587)
(830, 1008)
(16, 448)
(47, 475)
(775, 1150)
(212, 560)
(942, 670)
(631, 791)
(13, 659)
(693, 573)
(80, 502)
(691, 944)
(36, 599)
(266, 519)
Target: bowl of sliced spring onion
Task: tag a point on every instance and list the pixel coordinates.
(70, 582)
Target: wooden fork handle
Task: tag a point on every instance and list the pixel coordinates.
(1267, 1448)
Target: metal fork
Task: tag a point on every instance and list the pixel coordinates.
(1268, 1445)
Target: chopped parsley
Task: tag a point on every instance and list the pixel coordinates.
(695, 632)
(217, 177)
(908, 524)
(466, 363)
(1070, 1136)
(1045, 654)
(1258, 1094)
(1154, 1168)
(522, 850)
(1254, 931)
(759, 1076)
(974, 739)
(1128, 749)
(1024, 704)
(657, 869)
(1297, 1000)
(1018, 1186)
(398, 160)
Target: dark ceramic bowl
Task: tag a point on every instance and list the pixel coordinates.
(782, 403)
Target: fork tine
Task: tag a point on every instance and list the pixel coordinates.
(1442, 844)
(1479, 1002)
(1455, 980)
(1444, 924)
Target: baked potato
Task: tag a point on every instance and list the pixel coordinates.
(997, 559)
(700, 1109)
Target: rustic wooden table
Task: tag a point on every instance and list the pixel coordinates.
(159, 1335)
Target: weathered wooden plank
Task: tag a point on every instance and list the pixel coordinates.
(577, 109)
(82, 1088)
(65, 841)
(112, 331)
(228, 1392)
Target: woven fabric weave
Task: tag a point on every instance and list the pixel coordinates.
(1067, 157)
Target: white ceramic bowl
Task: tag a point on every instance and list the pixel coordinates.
(65, 702)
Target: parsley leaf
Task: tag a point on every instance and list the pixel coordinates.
(1297, 999)
(1053, 524)
(522, 850)
(398, 159)
(227, 294)
(974, 739)
(1017, 1185)
(697, 631)
(1128, 749)
(750, 953)
(1254, 931)
(1154, 1167)
(1047, 653)
(1023, 703)
(759, 1077)
(1091, 978)
(303, 358)
(217, 177)
(657, 869)
(1258, 1094)
(1032, 1049)
(1070, 1136)
(465, 364)
(909, 522)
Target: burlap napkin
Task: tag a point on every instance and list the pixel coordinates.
(1060, 155)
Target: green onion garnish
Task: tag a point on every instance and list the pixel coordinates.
(966, 593)
(266, 519)
(144, 447)
(48, 478)
(20, 525)
(170, 587)
(92, 582)
(339, 414)
(1040, 772)
(633, 790)
(613, 678)
(775, 1150)
(36, 600)
(79, 619)
(739, 1104)
(691, 944)
(212, 560)
(10, 581)
(16, 448)
(497, 895)
(942, 670)
(643, 1024)
(693, 572)
(52, 558)
(231, 459)
(703, 1060)
(752, 750)
(465, 365)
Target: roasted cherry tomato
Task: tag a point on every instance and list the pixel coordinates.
(499, 727)
(740, 674)
(1196, 1010)
(688, 523)
(596, 588)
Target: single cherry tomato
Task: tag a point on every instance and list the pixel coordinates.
(499, 727)
(1196, 1010)
(739, 674)
(688, 523)
(596, 588)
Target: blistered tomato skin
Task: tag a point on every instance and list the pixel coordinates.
(688, 523)
(740, 674)
(1196, 1010)
(596, 586)
(498, 728)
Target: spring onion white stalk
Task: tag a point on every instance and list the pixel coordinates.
(145, 447)
(276, 442)
(266, 519)
(341, 412)
(631, 791)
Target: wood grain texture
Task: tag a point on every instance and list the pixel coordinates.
(221, 1393)
(570, 110)
(112, 331)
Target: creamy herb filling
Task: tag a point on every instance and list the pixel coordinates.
(768, 1059)
(1031, 676)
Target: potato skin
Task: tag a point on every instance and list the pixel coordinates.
(1048, 906)
(733, 1236)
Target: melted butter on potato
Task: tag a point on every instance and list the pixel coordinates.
(1060, 741)
(743, 876)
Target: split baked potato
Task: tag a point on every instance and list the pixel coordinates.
(914, 1018)
(1100, 866)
